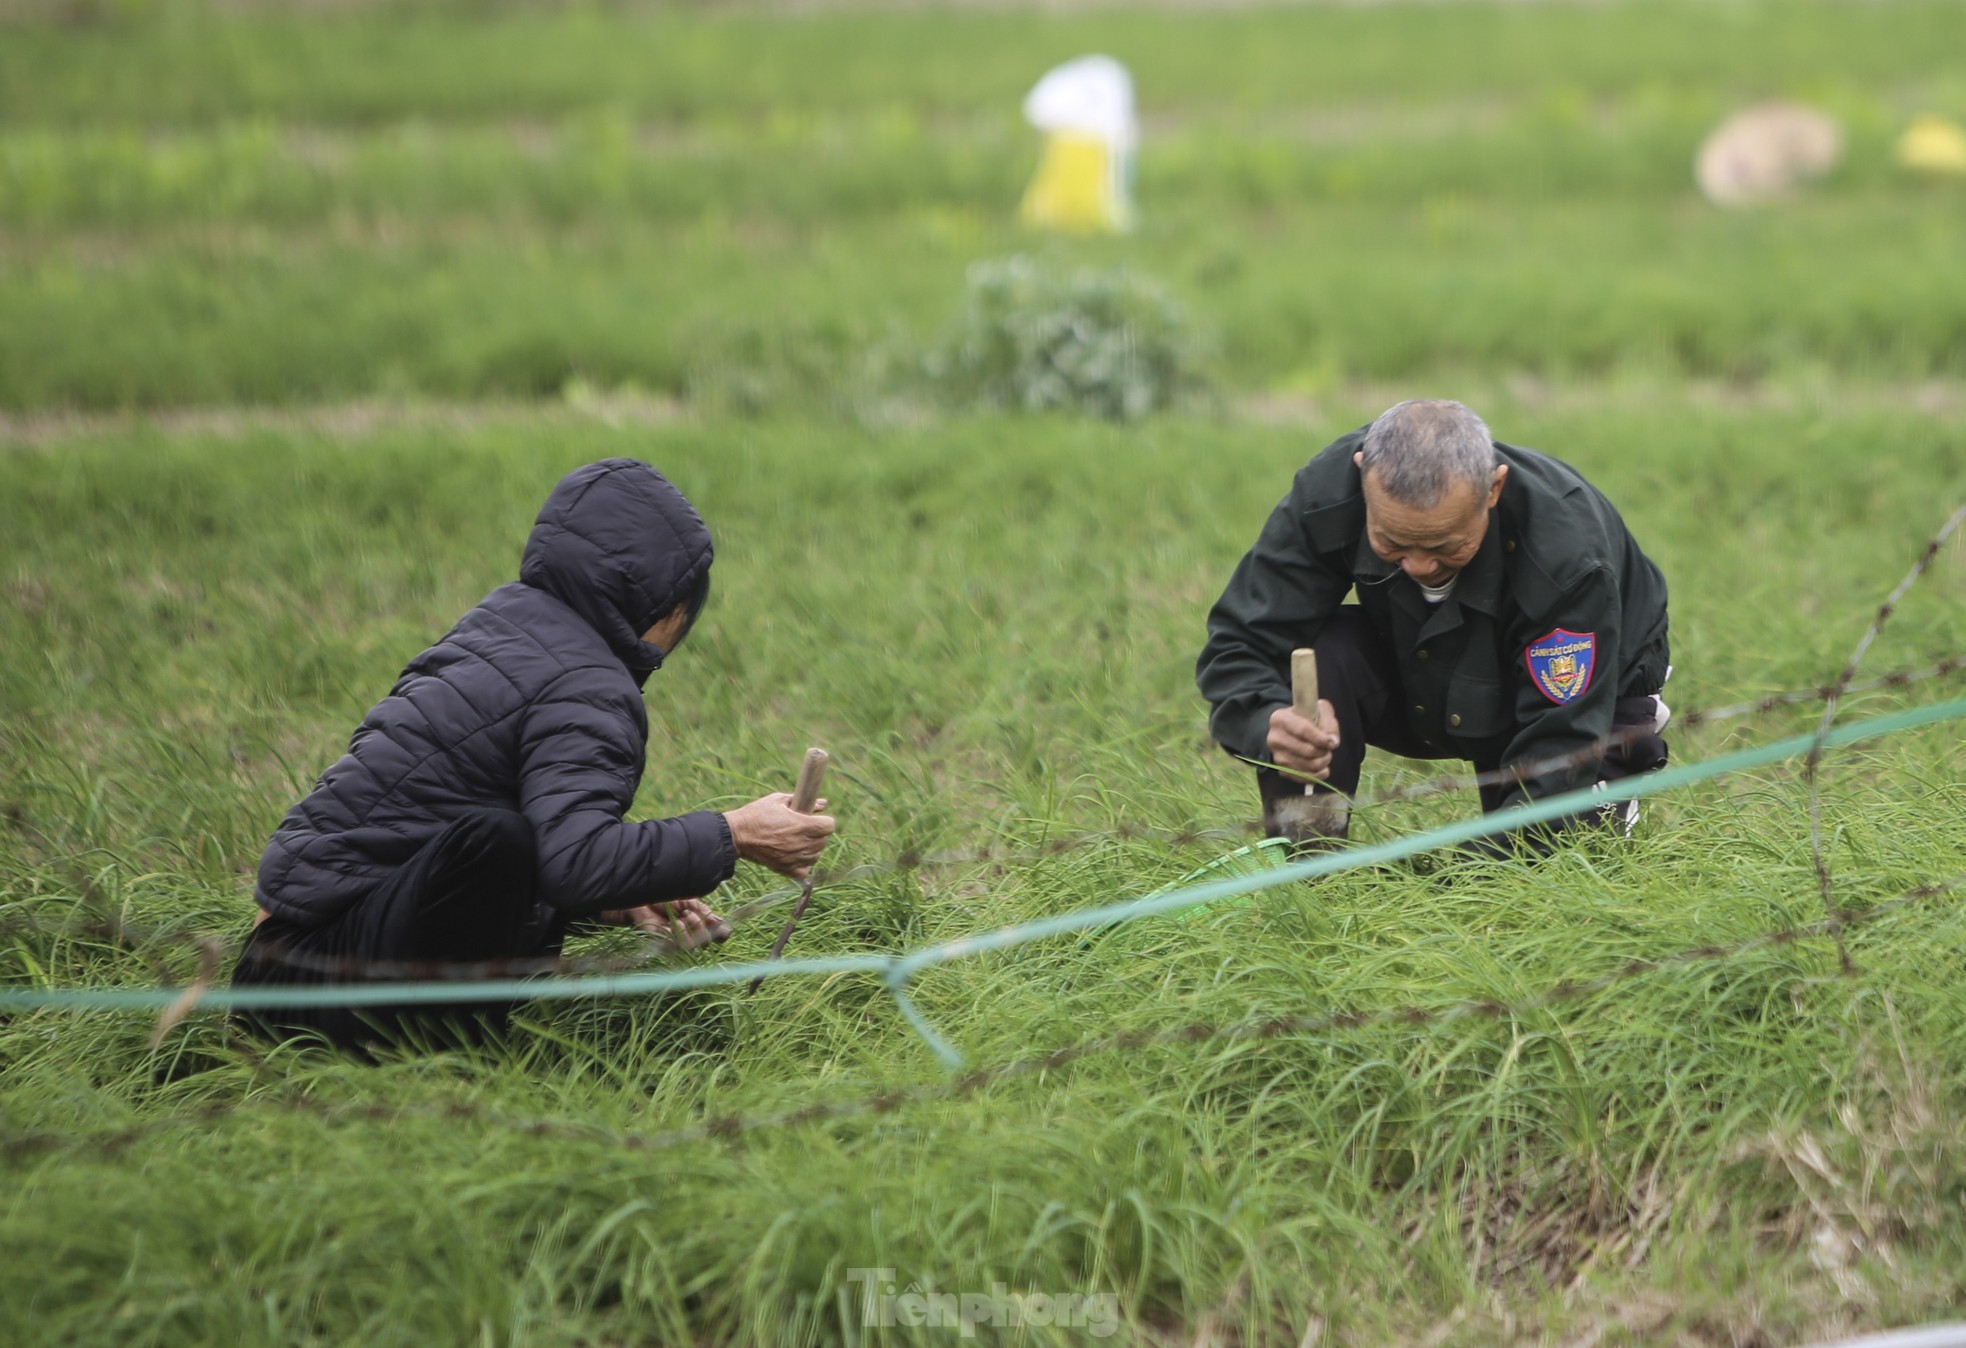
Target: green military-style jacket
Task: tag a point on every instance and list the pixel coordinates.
(1557, 616)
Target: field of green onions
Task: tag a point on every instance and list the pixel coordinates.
(304, 309)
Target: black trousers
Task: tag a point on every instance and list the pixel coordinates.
(466, 897)
(1358, 673)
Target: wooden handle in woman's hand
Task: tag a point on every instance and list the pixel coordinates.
(804, 796)
(811, 772)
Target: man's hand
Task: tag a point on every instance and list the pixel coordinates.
(687, 922)
(770, 832)
(1296, 743)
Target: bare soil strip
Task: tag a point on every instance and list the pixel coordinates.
(363, 418)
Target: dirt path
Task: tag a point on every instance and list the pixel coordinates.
(362, 418)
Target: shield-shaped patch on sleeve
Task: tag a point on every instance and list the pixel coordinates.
(1562, 664)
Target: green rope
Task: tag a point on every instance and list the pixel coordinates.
(896, 970)
(1542, 811)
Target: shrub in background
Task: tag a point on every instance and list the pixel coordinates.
(1106, 342)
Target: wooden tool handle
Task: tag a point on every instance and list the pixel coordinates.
(811, 772)
(804, 796)
(1303, 683)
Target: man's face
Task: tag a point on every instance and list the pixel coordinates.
(1432, 544)
(668, 629)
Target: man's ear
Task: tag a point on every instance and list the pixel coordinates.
(1495, 488)
(1358, 457)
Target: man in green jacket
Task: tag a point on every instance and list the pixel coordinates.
(1504, 616)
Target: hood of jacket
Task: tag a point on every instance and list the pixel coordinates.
(620, 546)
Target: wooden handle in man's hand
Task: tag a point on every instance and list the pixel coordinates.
(1303, 684)
(811, 772)
(1317, 817)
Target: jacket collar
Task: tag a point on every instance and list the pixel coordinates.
(1480, 586)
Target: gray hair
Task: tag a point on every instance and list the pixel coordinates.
(1420, 448)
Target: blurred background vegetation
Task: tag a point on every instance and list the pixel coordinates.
(304, 307)
(251, 204)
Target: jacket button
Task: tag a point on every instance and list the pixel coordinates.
(1509, 546)
(1419, 710)
(1420, 654)
(1455, 719)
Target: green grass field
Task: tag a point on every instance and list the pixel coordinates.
(302, 313)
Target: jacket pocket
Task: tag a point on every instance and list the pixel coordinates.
(1478, 708)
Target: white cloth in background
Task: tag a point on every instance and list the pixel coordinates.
(1091, 96)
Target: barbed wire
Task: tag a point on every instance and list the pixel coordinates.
(1812, 763)
(569, 974)
(1690, 719)
(1411, 1015)
(431, 982)
(1898, 678)
(119, 929)
(732, 1126)
(897, 969)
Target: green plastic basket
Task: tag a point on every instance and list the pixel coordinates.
(1257, 857)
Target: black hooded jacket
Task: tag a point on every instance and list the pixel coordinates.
(532, 703)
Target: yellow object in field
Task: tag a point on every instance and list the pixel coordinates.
(1083, 185)
(1933, 145)
(1078, 188)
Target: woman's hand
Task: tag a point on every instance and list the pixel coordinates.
(689, 923)
(770, 832)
